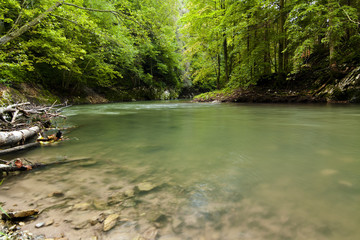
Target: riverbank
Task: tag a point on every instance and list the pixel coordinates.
(303, 87)
(38, 94)
(258, 96)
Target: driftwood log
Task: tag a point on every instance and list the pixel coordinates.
(14, 137)
(23, 121)
(21, 165)
(19, 148)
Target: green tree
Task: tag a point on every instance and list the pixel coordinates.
(92, 43)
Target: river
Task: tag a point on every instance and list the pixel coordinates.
(219, 171)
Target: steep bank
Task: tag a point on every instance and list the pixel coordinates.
(303, 87)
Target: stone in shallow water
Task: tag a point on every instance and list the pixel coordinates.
(150, 234)
(82, 206)
(110, 222)
(40, 224)
(50, 222)
(56, 194)
(169, 238)
(176, 225)
(145, 187)
(345, 183)
(129, 203)
(20, 214)
(328, 172)
(129, 193)
(81, 225)
(99, 204)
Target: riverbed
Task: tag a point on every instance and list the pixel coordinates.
(216, 171)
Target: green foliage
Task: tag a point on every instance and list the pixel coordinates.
(134, 45)
(266, 37)
(130, 44)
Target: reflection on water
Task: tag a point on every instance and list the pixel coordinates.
(223, 171)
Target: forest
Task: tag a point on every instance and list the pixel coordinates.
(116, 47)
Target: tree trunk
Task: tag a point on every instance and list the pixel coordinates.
(2, 27)
(14, 137)
(226, 59)
(267, 56)
(332, 39)
(218, 72)
(281, 43)
(19, 148)
(225, 47)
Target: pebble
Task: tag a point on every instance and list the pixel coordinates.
(50, 222)
(40, 224)
(56, 194)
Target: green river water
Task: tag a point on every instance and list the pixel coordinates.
(222, 171)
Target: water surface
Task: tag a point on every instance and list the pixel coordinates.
(223, 171)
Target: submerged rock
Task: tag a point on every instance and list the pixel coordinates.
(176, 225)
(328, 172)
(100, 205)
(82, 206)
(115, 199)
(159, 219)
(145, 187)
(150, 234)
(345, 183)
(56, 194)
(82, 225)
(49, 223)
(170, 238)
(110, 222)
(129, 193)
(129, 203)
(40, 224)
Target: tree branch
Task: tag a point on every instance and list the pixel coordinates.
(18, 32)
(351, 20)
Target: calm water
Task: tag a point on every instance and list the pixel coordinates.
(228, 171)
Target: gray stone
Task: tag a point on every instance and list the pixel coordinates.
(40, 224)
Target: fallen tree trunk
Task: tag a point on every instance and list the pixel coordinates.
(14, 137)
(19, 165)
(19, 148)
